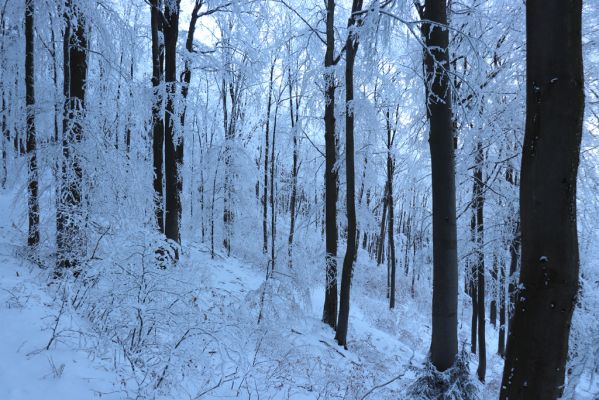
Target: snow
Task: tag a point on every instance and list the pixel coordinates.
(27, 315)
(206, 341)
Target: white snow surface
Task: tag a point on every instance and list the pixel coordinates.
(200, 336)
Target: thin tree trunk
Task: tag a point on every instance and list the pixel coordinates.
(266, 147)
(294, 171)
(329, 314)
(537, 347)
(273, 214)
(350, 253)
(380, 248)
(173, 146)
(391, 217)
(5, 144)
(157, 115)
(502, 310)
(33, 236)
(494, 292)
(480, 263)
(70, 238)
(474, 320)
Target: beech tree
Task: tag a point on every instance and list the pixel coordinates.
(329, 314)
(351, 48)
(444, 342)
(157, 17)
(33, 236)
(70, 238)
(173, 143)
(537, 346)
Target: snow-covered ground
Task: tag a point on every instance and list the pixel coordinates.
(128, 329)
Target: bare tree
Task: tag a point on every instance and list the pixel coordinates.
(173, 145)
(351, 48)
(444, 343)
(157, 116)
(329, 314)
(70, 238)
(33, 237)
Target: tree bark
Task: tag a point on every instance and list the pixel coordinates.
(444, 342)
(502, 310)
(33, 236)
(494, 292)
(157, 116)
(480, 262)
(537, 347)
(329, 313)
(294, 170)
(351, 49)
(266, 150)
(380, 247)
(391, 241)
(70, 240)
(173, 146)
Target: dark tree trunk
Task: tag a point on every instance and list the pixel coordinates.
(5, 143)
(502, 310)
(391, 256)
(480, 261)
(70, 239)
(329, 314)
(157, 116)
(444, 343)
(514, 258)
(186, 75)
(266, 147)
(33, 236)
(273, 214)
(360, 197)
(351, 49)
(380, 247)
(294, 170)
(472, 276)
(494, 292)
(173, 146)
(129, 122)
(537, 347)
(474, 320)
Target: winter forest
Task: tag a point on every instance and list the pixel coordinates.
(299, 199)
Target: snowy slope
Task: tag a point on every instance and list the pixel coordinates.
(28, 315)
(200, 335)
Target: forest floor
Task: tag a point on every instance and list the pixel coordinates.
(201, 335)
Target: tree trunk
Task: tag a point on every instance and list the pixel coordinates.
(266, 147)
(391, 240)
(173, 146)
(474, 320)
(350, 253)
(380, 247)
(157, 116)
(329, 313)
(294, 170)
(186, 75)
(537, 347)
(273, 214)
(480, 262)
(70, 241)
(502, 311)
(444, 343)
(494, 292)
(5, 143)
(33, 236)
